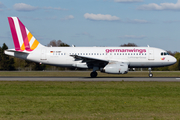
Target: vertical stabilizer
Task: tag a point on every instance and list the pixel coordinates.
(23, 39)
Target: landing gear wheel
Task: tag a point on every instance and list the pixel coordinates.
(93, 74)
(150, 75)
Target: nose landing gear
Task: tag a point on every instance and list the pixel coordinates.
(150, 73)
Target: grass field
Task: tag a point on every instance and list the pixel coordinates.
(89, 100)
(87, 74)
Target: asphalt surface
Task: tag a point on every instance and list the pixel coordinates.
(158, 79)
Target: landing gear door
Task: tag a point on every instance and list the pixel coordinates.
(43, 55)
(151, 54)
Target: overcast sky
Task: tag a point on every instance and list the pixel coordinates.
(96, 22)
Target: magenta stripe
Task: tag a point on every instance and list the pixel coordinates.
(14, 34)
(24, 36)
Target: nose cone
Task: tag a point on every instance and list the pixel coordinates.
(173, 60)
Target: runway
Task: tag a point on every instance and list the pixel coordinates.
(88, 79)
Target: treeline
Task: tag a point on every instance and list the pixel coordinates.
(9, 63)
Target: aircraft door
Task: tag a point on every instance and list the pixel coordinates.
(43, 54)
(151, 54)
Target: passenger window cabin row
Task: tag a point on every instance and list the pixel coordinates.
(99, 53)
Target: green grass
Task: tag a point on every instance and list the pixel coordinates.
(87, 74)
(89, 100)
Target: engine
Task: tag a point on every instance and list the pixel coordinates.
(116, 68)
(80, 65)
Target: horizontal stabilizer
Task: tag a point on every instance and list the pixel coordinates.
(12, 50)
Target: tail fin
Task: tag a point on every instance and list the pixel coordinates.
(23, 39)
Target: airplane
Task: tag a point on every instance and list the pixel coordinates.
(112, 60)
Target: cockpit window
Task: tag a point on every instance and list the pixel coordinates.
(164, 53)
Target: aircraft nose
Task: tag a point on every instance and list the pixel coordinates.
(173, 60)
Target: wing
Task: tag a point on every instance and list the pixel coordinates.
(91, 61)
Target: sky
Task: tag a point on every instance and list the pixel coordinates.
(96, 22)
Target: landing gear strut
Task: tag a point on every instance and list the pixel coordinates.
(93, 74)
(150, 74)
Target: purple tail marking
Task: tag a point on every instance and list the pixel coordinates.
(14, 34)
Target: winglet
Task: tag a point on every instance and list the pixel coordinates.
(23, 39)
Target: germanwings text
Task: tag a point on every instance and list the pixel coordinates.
(125, 50)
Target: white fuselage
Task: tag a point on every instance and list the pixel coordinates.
(133, 56)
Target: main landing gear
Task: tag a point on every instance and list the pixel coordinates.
(150, 73)
(93, 74)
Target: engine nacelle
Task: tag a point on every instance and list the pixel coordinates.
(116, 68)
(80, 65)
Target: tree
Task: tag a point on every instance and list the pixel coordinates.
(57, 43)
(129, 45)
(171, 53)
(7, 63)
(39, 66)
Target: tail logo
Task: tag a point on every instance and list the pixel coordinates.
(23, 39)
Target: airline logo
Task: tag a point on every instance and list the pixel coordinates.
(125, 50)
(163, 58)
(23, 39)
